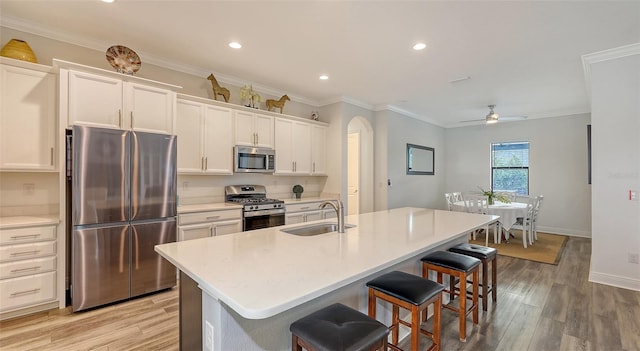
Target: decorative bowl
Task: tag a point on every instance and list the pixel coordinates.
(123, 59)
(19, 50)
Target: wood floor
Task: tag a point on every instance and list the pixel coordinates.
(540, 307)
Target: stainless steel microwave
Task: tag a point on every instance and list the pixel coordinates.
(253, 159)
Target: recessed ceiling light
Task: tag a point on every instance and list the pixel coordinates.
(419, 46)
(324, 77)
(235, 45)
(109, 1)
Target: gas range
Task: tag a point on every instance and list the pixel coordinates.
(253, 204)
(256, 204)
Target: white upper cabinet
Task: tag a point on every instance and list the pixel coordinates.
(149, 109)
(27, 116)
(218, 141)
(99, 98)
(205, 143)
(253, 129)
(94, 100)
(189, 132)
(318, 150)
(293, 147)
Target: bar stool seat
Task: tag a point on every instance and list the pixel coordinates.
(456, 266)
(485, 254)
(340, 328)
(413, 293)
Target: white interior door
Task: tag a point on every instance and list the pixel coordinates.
(353, 173)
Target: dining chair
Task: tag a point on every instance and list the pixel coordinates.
(525, 224)
(450, 201)
(536, 209)
(479, 204)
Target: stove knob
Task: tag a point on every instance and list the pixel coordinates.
(275, 206)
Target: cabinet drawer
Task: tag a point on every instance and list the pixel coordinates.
(307, 206)
(209, 216)
(27, 251)
(27, 267)
(29, 290)
(26, 235)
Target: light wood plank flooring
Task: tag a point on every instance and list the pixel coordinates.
(540, 307)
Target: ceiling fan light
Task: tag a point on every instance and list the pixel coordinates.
(492, 118)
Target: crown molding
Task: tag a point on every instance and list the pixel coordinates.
(605, 55)
(408, 114)
(348, 100)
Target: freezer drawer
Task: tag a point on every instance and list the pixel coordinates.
(149, 271)
(100, 266)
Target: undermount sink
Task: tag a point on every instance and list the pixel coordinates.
(316, 229)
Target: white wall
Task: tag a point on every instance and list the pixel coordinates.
(413, 190)
(615, 105)
(557, 170)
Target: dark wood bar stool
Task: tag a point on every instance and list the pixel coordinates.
(456, 266)
(413, 293)
(485, 255)
(338, 328)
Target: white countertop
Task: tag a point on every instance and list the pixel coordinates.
(208, 207)
(304, 200)
(28, 221)
(264, 272)
(229, 206)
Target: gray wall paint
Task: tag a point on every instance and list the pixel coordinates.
(558, 166)
(413, 190)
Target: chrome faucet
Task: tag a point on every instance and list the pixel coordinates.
(339, 212)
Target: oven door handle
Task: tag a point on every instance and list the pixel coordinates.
(264, 213)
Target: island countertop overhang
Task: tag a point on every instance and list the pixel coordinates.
(280, 271)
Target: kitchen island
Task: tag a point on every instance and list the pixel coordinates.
(254, 284)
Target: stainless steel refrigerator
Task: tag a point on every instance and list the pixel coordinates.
(123, 203)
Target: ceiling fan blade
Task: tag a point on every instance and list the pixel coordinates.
(472, 120)
(512, 118)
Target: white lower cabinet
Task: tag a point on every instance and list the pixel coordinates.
(307, 212)
(28, 267)
(204, 224)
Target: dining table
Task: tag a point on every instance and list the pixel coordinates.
(508, 212)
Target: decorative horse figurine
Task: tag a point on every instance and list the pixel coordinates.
(277, 103)
(218, 90)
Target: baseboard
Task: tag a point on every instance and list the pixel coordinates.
(614, 280)
(565, 231)
(29, 310)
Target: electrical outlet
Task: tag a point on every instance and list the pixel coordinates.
(185, 185)
(633, 258)
(29, 188)
(208, 336)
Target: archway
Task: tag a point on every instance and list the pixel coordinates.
(360, 189)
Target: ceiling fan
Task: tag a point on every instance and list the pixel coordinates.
(493, 117)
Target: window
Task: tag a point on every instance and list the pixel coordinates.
(510, 166)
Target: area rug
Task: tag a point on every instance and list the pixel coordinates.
(547, 249)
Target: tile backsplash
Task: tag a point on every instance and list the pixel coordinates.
(196, 189)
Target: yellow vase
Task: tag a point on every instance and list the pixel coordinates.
(19, 50)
